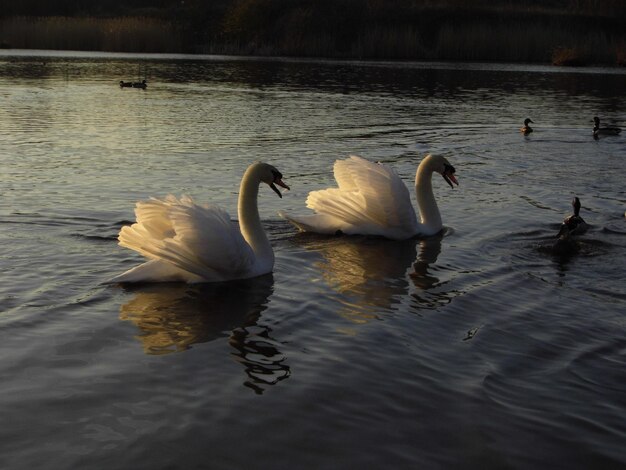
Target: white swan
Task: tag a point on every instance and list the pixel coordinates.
(198, 243)
(372, 200)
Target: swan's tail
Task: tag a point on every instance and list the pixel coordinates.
(155, 271)
(318, 223)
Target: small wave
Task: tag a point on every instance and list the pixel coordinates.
(586, 247)
(601, 366)
(537, 204)
(614, 230)
(122, 223)
(606, 293)
(99, 238)
(279, 229)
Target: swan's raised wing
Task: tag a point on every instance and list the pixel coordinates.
(370, 196)
(198, 239)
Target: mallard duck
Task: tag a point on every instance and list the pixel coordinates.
(598, 131)
(573, 224)
(526, 129)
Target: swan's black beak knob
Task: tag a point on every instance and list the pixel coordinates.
(448, 175)
(278, 180)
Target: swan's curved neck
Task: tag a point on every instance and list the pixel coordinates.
(248, 212)
(429, 212)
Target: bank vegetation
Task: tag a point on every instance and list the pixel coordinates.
(567, 32)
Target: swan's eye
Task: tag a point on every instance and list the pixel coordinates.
(448, 168)
(277, 175)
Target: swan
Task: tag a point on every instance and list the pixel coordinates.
(195, 243)
(526, 129)
(598, 131)
(372, 200)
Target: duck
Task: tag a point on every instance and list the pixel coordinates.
(124, 84)
(572, 226)
(526, 129)
(604, 131)
(141, 84)
(371, 199)
(193, 243)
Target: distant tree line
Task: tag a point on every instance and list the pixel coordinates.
(520, 30)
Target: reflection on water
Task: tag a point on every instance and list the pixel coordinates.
(428, 251)
(430, 292)
(258, 352)
(370, 273)
(173, 317)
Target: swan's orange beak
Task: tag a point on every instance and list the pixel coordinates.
(280, 183)
(450, 178)
(448, 175)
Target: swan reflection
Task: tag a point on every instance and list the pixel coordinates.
(259, 354)
(427, 254)
(369, 273)
(374, 274)
(428, 293)
(173, 317)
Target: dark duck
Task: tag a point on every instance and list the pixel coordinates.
(572, 225)
(526, 129)
(602, 131)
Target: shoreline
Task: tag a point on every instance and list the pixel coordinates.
(404, 63)
(433, 35)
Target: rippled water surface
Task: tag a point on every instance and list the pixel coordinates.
(476, 349)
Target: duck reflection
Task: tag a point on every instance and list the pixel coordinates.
(369, 273)
(173, 317)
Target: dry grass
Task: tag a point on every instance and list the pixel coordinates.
(559, 31)
(569, 56)
(482, 30)
(96, 34)
(620, 52)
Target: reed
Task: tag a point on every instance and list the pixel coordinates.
(97, 34)
(542, 31)
(498, 30)
(620, 53)
(569, 56)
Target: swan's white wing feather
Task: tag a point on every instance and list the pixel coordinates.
(198, 239)
(209, 234)
(152, 216)
(369, 195)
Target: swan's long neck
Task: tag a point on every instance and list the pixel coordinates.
(429, 212)
(248, 212)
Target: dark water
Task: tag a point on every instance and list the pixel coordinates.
(477, 349)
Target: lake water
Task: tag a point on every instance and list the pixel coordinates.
(478, 349)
